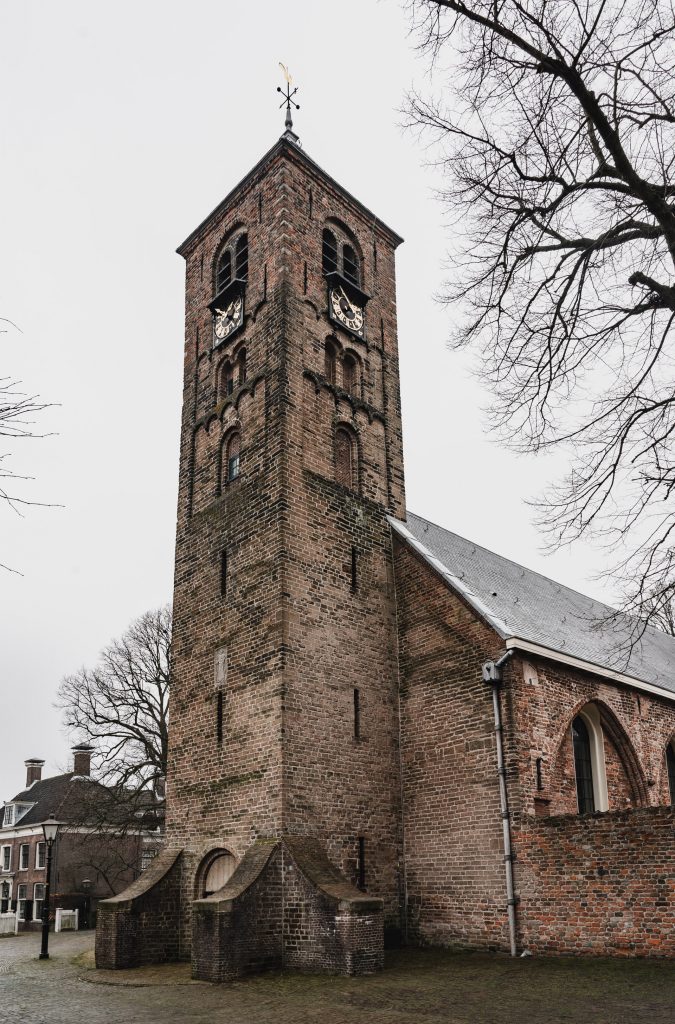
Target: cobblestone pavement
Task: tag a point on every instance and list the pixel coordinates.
(417, 985)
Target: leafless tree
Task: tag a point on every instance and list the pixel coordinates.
(557, 135)
(121, 707)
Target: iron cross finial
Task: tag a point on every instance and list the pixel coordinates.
(288, 100)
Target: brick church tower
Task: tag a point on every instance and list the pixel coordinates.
(284, 837)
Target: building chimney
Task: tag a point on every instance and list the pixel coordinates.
(82, 759)
(33, 770)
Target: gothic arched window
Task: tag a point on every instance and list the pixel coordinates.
(670, 760)
(329, 252)
(330, 361)
(583, 765)
(346, 459)
(241, 258)
(231, 460)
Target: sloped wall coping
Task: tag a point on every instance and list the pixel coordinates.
(145, 882)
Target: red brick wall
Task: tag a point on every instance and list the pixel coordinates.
(453, 847)
(598, 884)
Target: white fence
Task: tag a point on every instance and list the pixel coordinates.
(9, 924)
(66, 920)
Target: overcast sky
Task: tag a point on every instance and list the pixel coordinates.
(122, 126)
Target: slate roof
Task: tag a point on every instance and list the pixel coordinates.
(522, 604)
(66, 796)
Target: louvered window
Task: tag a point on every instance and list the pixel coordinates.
(329, 253)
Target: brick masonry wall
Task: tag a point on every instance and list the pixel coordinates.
(453, 846)
(598, 884)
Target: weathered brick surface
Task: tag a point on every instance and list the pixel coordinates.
(141, 925)
(598, 884)
(286, 907)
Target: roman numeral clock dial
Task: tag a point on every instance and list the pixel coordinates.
(226, 320)
(346, 310)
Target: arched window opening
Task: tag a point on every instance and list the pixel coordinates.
(329, 252)
(232, 458)
(224, 272)
(350, 370)
(583, 766)
(345, 459)
(241, 258)
(330, 362)
(350, 265)
(241, 362)
(670, 758)
(226, 380)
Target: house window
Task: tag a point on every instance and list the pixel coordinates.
(6, 860)
(9, 815)
(21, 894)
(670, 758)
(24, 853)
(38, 900)
(232, 458)
(147, 857)
(5, 896)
(40, 855)
(345, 459)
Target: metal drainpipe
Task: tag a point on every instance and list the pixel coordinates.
(492, 674)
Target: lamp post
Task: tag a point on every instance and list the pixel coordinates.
(50, 829)
(85, 885)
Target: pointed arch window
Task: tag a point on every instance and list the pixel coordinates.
(226, 380)
(329, 257)
(346, 467)
(583, 766)
(670, 759)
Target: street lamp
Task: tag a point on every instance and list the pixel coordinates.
(50, 828)
(85, 885)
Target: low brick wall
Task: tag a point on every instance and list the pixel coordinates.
(141, 924)
(601, 884)
(286, 906)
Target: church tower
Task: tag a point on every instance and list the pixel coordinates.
(284, 724)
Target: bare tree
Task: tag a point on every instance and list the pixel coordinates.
(558, 141)
(121, 706)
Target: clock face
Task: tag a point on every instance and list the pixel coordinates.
(346, 311)
(225, 320)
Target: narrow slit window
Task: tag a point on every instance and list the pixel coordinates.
(242, 366)
(329, 260)
(670, 757)
(330, 361)
(219, 716)
(241, 258)
(540, 779)
(232, 462)
(223, 572)
(349, 373)
(344, 459)
(361, 867)
(357, 714)
(354, 569)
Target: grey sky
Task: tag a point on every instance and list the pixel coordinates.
(122, 126)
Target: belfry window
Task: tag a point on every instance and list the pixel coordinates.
(329, 260)
(583, 766)
(224, 272)
(350, 265)
(241, 258)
